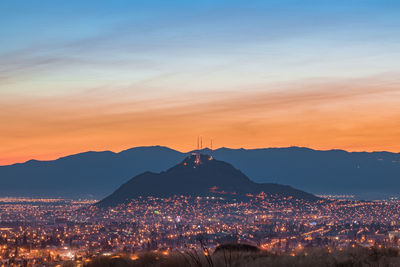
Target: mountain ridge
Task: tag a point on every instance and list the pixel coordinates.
(96, 174)
(206, 149)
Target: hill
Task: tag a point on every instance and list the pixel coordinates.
(209, 177)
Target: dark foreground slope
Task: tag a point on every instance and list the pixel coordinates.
(349, 257)
(210, 177)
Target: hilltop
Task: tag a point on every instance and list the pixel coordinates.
(210, 177)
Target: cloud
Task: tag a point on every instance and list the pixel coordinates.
(351, 114)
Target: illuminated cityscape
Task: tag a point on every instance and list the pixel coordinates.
(55, 231)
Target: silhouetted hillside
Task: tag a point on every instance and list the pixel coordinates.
(348, 257)
(210, 177)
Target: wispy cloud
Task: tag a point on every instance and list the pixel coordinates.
(348, 114)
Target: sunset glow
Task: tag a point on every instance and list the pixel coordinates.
(97, 75)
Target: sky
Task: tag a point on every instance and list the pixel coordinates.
(109, 75)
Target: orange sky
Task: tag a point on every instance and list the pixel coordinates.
(355, 115)
(76, 76)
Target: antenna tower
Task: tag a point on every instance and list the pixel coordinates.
(197, 160)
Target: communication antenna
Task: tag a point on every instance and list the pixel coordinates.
(197, 160)
(211, 150)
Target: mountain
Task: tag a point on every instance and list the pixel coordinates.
(99, 173)
(366, 174)
(89, 174)
(209, 177)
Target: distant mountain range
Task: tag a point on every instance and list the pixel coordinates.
(98, 174)
(209, 177)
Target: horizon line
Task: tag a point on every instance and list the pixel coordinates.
(205, 148)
